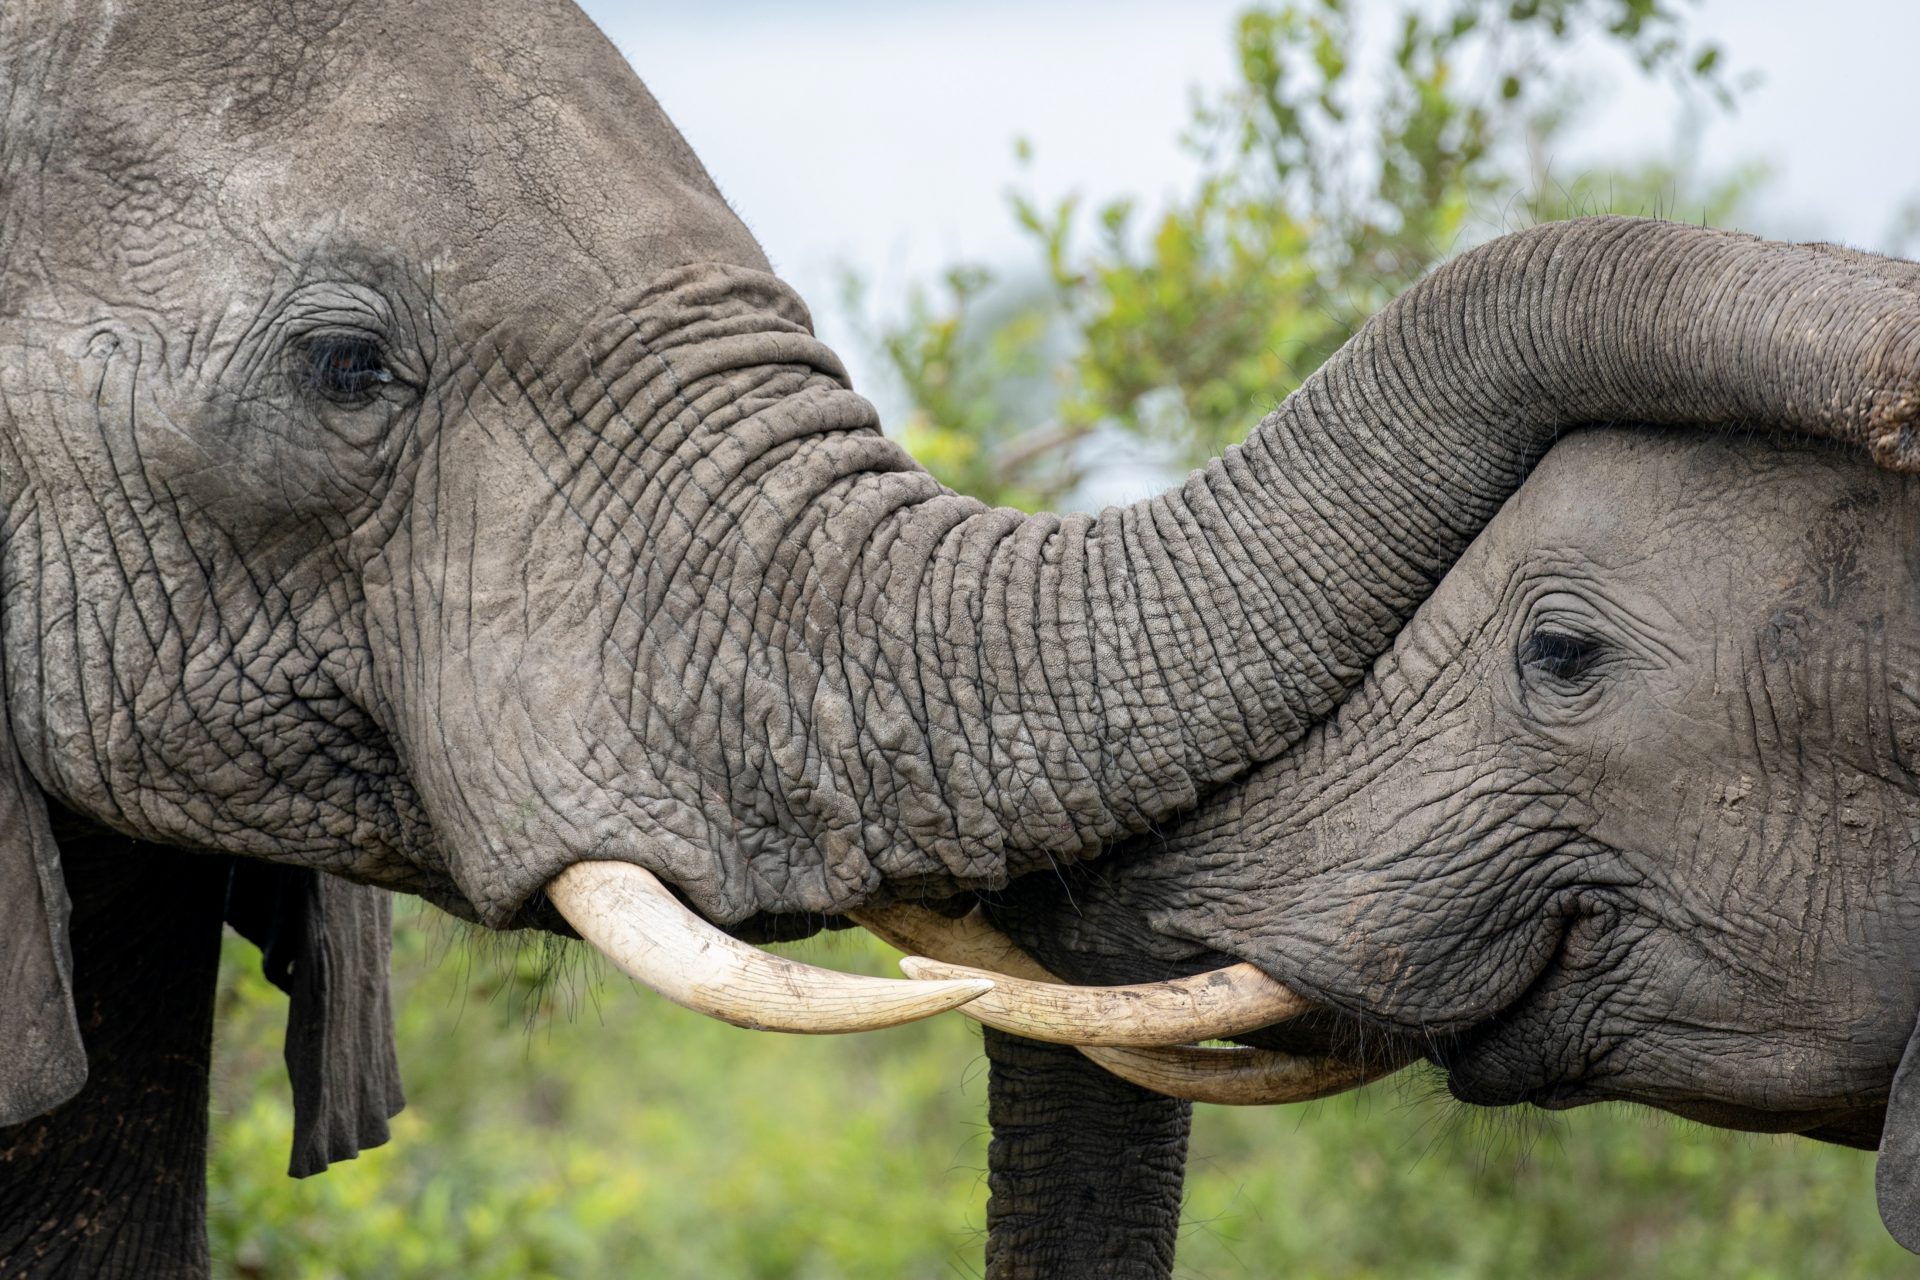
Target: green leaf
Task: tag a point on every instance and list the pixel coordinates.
(1309, 213)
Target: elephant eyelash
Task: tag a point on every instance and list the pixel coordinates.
(1560, 656)
(347, 369)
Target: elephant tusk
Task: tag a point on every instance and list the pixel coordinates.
(964, 940)
(1030, 1001)
(1237, 1077)
(1206, 1006)
(629, 916)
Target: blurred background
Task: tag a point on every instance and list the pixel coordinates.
(1071, 250)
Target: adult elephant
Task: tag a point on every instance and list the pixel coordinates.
(415, 478)
(1630, 811)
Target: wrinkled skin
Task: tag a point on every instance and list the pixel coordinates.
(1631, 810)
(412, 473)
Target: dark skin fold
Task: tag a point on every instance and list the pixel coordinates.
(1628, 812)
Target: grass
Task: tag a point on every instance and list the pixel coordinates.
(579, 1127)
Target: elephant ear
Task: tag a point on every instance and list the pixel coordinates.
(326, 942)
(1897, 1179)
(42, 1059)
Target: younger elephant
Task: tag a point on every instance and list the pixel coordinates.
(1631, 810)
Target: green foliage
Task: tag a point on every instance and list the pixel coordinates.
(1327, 185)
(582, 1128)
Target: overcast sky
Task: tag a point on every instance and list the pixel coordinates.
(878, 133)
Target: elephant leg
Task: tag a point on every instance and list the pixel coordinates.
(1085, 1169)
(112, 1183)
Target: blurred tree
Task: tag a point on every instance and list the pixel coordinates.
(1330, 179)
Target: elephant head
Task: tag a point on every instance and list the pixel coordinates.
(1630, 811)
(413, 472)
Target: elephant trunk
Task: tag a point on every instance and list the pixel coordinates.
(1086, 1170)
(1024, 690)
(757, 650)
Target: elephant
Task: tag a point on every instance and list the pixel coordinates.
(1630, 811)
(416, 480)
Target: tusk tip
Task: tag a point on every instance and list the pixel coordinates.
(939, 993)
(651, 936)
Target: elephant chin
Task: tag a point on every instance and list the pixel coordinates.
(1483, 1070)
(1849, 1126)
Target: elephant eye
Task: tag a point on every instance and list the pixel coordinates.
(1560, 656)
(348, 369)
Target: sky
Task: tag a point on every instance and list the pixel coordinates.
(877, 135)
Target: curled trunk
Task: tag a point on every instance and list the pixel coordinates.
(840, 680)
(984, 694)
(1066, 681)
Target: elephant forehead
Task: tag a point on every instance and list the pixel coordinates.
(508, 146)
(1702, 515)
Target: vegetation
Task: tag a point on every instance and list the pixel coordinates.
(580, 1128)
(588, 1129)
(1325, 189)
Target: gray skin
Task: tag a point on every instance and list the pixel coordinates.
(413, 473)
(1630, 811)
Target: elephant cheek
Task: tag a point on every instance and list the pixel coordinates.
(1396, 867)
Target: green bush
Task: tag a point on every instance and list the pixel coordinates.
(584, 1128)
(1326, 187)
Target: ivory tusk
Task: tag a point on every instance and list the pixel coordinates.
(966, 940)
(629, 916)
(1206, 1006)
(1237, 1077)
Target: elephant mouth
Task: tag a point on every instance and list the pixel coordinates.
(1484, 1074)
(1506, 1060)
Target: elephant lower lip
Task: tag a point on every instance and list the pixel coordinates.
(1487, 1091)
(1486, 1078)
(1861, 1118)
(1562, 1097)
